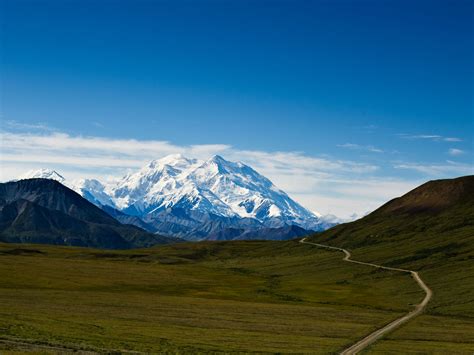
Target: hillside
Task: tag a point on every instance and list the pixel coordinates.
(431, 230)
(438, 214)
(45, 211)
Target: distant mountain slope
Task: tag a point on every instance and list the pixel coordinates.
(281, 233)
(127, 219)
(429, 229)
(45, 211)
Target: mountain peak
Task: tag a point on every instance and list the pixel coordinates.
(217, 165)
(43, 174)
(174, 160)
(173, 157)
(218, 159)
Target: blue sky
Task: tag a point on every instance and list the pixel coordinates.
(384, 85)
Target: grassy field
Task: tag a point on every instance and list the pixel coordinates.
(224, 296)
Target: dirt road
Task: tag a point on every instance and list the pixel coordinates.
(373, 337)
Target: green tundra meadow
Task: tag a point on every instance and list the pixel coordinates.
(246, 296)
(241, 296)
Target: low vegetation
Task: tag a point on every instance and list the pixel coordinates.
(226, 296)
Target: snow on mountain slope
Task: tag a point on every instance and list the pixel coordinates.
(249, 194)
(215, 186)
(163, 184)
(92, 190)
(43, 174)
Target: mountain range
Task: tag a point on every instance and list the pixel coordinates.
(45, 211)
(195, 200)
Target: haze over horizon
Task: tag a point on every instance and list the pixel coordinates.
(343, 106)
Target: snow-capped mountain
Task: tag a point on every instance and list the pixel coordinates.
(192, 199)
(92, 190)
(215, 186)
(43, 174)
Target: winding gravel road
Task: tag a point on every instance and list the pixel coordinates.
(376, 335)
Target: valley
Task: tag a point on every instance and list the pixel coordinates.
(250, 296)
(238, 296)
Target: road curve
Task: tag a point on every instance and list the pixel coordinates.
(376, 335)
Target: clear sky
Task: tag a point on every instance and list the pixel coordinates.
(343, 104)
